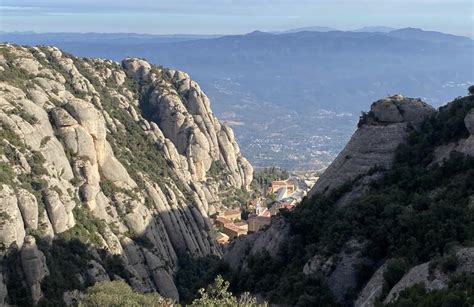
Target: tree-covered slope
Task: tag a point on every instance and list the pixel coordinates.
(410, 221)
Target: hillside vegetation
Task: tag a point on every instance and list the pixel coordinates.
(421, 210)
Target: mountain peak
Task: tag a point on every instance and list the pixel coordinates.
(257, 33)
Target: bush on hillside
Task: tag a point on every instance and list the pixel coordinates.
(119, 294)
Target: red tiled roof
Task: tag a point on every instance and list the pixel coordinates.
(223, 220)
(231, 211)
(232, 227)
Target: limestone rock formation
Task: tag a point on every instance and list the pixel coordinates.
(372, 290)
(465, 146)
(374, 143)
(343, 276)
(183, 115)
(34, 267)
(120, 156)
(12, 229)
(433, 279)
(269, 241)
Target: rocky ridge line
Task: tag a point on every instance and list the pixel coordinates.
(118, 153)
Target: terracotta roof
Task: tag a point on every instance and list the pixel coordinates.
(232, 227)
(231, 212)
(240, 224)
(223, 220)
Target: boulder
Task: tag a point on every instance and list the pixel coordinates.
(88, 117)
(12, 229)
(34, 267)
(161, 277)
(61, 218)
(29, 208)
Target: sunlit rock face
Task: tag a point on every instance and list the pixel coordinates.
(116, 155)
(373, 145)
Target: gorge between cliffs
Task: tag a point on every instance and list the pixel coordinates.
(110, 172)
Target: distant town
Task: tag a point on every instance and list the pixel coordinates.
(279, 195)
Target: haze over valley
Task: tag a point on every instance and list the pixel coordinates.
(293, 98)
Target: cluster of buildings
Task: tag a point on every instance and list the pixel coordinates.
(229, 223)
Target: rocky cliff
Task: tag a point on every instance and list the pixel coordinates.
(111, 168)
(373, 145)
(393, 212)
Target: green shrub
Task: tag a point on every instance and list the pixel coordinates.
(18, 292)
(6, 173)
(196, 273)
(216, 294)
(117, 294)
(45, 140)
(66, 260)
(6, 133)
(396, 269)
(217, 171)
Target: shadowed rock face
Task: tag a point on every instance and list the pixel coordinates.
(183, 114)
(375, 141)
(127, 146)
(431, 279)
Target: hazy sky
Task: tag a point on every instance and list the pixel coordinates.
(232, 16)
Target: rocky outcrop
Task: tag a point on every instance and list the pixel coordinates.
(269, 241)
(465, 146)
(116, 154)
(372, 290)
(343, 277)
(12, 229)
(183, 114)
(34, 267)
(28, 206)
(428, 274)
(339, 271)
(436, 278)
(380, 132)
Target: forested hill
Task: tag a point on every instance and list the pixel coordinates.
(398, 229)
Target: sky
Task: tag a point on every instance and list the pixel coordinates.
(232, 16)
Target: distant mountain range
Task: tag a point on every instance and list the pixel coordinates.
(32, 38)
(303, 86)
(374, 29)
